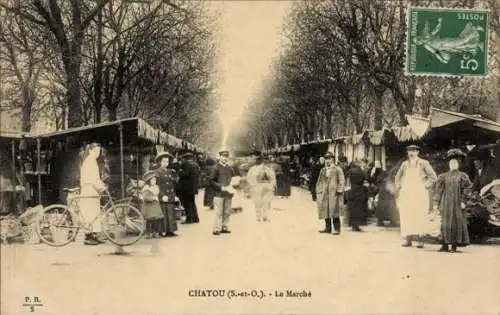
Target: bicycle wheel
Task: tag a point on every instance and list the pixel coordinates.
(123, 224)
(57, 225)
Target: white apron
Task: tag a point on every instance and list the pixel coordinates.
(413, 203)
(90, 177)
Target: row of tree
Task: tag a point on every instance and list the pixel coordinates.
(342, 71)
(80, 62)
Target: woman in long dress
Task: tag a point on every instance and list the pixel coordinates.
(448, 197)
(167, 179)
(357, 197)
(90, 187)
(414, 179)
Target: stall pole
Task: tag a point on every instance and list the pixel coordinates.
(137, 176)
(13, 146)
(122, 167)
(38, 168)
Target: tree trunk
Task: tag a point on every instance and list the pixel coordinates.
(379, 109)
(75, 112)
(112, 112)
(98, 75)
(28, 100)
(329, 124)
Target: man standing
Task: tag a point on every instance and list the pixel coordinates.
(484, 173)
(330, 190)
(189, 176)
(262, 181)
(220, 180)
(414, 179)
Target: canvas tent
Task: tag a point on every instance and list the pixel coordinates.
(446, 126)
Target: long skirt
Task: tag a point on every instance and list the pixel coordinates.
(356, 210)
(386, 207)
(169, 224)
(283, 188)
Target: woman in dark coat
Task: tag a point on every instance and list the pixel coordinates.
(167, 179)
(375, 179)
(208, 197)
(357, 197)
(386, 203)
(283, 188)
(448, 198)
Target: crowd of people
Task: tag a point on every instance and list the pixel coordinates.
(416, 194)
(412, 197)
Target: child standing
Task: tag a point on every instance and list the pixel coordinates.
(151, 204)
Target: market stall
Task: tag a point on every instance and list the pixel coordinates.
(129, 145)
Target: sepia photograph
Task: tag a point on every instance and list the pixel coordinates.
(192, 157)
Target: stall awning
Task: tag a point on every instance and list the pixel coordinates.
(135, 127)
(12, 135)
(441, 118)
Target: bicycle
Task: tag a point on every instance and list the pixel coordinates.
(122, 223)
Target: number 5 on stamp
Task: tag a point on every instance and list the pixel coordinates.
(446, 42)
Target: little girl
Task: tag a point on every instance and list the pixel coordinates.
(151, 204)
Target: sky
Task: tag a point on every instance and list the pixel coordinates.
(250, 39)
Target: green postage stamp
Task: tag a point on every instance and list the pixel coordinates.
(447, 42)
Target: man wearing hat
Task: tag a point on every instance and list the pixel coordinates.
(329, 191)
(189, 177)
(220, 180)
(262, 181)
(448, 197)
(414, 180)
(167, 179)
(483, 170)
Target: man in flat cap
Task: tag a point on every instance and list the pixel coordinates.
(414, 180)
(329, 191)
(189, 177)
(262, 181)
(220, 180)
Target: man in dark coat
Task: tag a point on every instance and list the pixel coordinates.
(189, 177)
(483, 172)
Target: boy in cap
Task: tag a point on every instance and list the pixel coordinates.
(220, 180)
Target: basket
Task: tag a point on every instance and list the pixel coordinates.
(30, 235)
(492, 203)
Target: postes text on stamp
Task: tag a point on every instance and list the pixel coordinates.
(447, 42)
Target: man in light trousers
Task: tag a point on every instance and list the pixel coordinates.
(220, 180)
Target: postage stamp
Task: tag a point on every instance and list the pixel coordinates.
(446, 42)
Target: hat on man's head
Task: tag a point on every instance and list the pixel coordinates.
(413, 147)
(342, 159)
(188, 155)
(148, 175)
(329, 155)
(161, 155)
(257, 153)
(224, 152)
(262, 157)
(455, 153)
